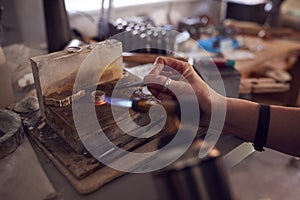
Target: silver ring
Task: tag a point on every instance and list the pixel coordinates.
(98, 96)
(73, 49)
(166, 85)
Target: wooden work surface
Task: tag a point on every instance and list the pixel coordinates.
(272, 49)
(60, 141)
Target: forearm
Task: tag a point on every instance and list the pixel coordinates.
(284, 130)
(242, 119)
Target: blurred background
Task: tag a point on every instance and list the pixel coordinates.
(262, 37)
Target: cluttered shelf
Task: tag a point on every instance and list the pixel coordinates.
(270, 74)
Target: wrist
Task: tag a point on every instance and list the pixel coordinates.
(241, 118)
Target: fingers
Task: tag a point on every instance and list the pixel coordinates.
(171, 67)
(161, 95)
(185, 80)
(159, 66)
(167, 64)
(188, 83)
(157, 83)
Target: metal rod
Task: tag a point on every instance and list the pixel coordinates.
(142, 84)
(102, 9)
(110, 3)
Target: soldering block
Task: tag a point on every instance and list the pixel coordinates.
(55, 75)
(56, 72)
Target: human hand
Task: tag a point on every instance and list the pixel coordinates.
(189, 83)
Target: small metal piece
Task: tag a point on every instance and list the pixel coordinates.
(166, 85)
(98, 96)
(106, 153)
(73, 49)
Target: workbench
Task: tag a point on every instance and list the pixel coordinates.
(277, 54)
(134, 186)
(141, 186)
(233, 150)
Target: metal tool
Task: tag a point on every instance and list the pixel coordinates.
(137, 84)
(172, 108)
(57, 25)
(142, 83)
(193, 178)
(104, 25)
(141, 105)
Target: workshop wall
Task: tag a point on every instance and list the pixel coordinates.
(23, 21)
(162, 13)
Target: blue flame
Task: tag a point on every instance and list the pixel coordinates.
(126, 103)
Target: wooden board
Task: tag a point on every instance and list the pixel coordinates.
(61, 118)
(83, 172)
(61, 143)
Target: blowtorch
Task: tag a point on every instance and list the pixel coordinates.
(142, 105)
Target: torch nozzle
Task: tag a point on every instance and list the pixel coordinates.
(141, 105)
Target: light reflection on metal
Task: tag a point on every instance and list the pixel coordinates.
(100, 103)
